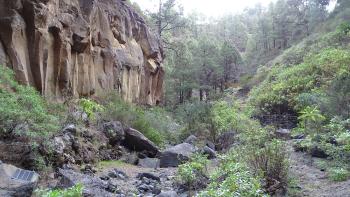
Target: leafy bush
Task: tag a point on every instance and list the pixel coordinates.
(271, 163)
(90, 107)
(233, 178)
(195, 116)
(284, 85)
(339, 174)
(75, 191)
(155, 123)
(23, 112)
(193, 173)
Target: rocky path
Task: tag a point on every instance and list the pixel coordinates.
(131, 179)
(311, 181)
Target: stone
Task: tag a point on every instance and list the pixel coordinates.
(148, 176)
(81, 48)
(114, 131)
(15, 187)
(191, 140)
(70, 129)
(318, 152)
(92, 186)
(298, 137)
(149, 162)
(210, 145)
(176, 155)
(135, 140)
(21, 154)
(209, 152)
(283, 134)
(168, 194)
(117, 174)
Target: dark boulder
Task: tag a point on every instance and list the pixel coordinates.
(148, 176)
(93, 186)
(210, 145)
(135, 140)
(114, 131)
(209, 152)
(283, 134)
(191, 140)
(174, 156)
(70, 129)
(13, 184)
(318, 152)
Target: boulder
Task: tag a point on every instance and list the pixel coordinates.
(70, 129)
(168, 194)
(149, 162)
(16, 182)
(318, 152)
(135, 140)
(210, 145)
(17, 153)
(191, 140)
(209, 152)
(93, 186)
(174, 156)
(283, 134)
(148, 176)
(114, 131)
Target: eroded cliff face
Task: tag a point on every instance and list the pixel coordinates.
(81, 48)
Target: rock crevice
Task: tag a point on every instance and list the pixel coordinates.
(81, 48)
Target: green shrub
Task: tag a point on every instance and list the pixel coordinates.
(233, 178)
(155, 123)
(193, 172)
(75, 191)
(339, 174)
(90, 107)
(284, 85)
(23, 112)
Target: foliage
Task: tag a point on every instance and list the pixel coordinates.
(90, 107)
(155, 123)
(75, 191)
(310, 116)
(224, 117)
(192, 171)
(192, 175)
(195, 116)
(339, 174)
(22, 110)
(284, 84)
(232, 178)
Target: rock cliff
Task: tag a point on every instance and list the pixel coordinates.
(81, 48)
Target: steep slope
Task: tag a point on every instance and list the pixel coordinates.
(81, 48)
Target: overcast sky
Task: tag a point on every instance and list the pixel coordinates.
(208, 7)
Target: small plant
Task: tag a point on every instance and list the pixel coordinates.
(193, 173)
(90, 107)
(233, 178)
(75, 191)
(311, 117)
(339, 174)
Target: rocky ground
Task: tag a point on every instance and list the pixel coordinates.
(312, 181)
(108, 160)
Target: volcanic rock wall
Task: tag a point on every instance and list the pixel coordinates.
(81, 48)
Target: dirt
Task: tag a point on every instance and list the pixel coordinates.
(311, 181)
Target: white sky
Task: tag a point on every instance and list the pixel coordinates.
(212, 8)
